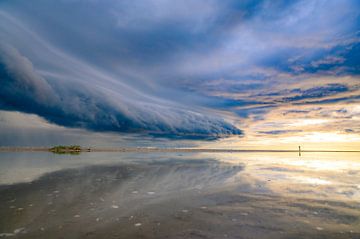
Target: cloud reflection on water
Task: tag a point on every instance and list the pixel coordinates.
(263, 194)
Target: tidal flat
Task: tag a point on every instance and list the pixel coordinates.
(179, 195)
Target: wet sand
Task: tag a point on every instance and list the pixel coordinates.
(174, 198)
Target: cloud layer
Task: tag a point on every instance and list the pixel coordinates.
(70, 92)
(182, 68)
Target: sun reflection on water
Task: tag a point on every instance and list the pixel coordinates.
(328, 175)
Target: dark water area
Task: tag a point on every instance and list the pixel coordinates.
(172, 195)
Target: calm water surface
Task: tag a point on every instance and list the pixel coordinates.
(173, 195)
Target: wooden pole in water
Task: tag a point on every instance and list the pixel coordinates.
(299, 150)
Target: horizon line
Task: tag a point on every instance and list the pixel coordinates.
(169, 149)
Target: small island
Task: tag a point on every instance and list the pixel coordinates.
(61, 149)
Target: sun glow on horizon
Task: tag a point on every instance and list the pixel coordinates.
(307, 141)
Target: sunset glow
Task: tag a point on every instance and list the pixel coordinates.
(264, 74)
(169, 119)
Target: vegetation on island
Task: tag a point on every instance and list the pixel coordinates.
(62, 149)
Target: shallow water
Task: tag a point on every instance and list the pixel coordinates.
(173, 195)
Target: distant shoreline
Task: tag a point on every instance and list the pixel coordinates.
(179, 150)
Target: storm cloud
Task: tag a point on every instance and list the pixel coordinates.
(184, 68)
(67, 91)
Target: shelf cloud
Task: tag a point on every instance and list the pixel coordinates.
(190, 68)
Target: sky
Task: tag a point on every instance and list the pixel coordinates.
(265, 74)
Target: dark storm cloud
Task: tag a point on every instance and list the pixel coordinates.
(75, 107)
(69, 92)
(172, 67)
